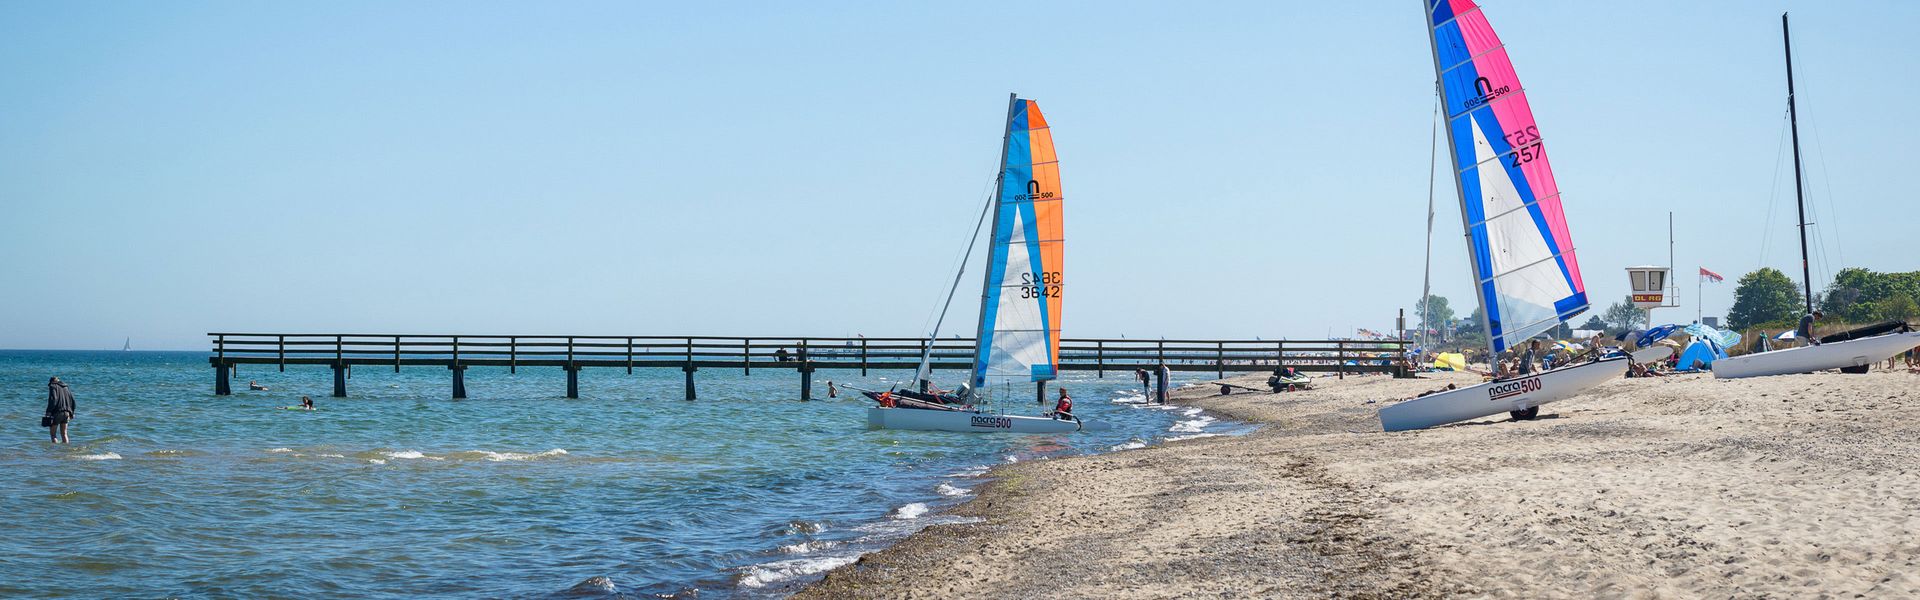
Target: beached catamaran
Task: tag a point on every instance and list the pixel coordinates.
(1525, 274)
(1851, 351)
(1020, 298)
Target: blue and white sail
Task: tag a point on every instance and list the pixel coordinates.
(1020, 301)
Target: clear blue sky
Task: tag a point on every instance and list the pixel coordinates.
(1231, 169)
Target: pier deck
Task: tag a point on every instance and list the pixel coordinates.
(804, 355)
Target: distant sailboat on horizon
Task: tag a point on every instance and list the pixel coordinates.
(128, 346)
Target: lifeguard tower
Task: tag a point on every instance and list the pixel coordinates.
(1649, 288)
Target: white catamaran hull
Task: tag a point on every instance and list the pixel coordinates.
(1496, 397)
(1652, 353)
(1807, 359)
(970, 422)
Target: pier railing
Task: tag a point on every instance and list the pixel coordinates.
(572, 353)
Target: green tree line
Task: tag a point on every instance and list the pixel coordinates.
(1763, 298)
(1767, 297)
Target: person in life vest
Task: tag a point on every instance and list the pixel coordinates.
(1063, 409)
(886, 399)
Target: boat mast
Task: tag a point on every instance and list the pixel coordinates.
(1799, 189)
(993, 249)
(1493, 355)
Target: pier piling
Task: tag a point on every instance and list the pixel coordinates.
(221, 383)
(573, 380)
(689, 369)
(459, 381)
(806, 383)
(339, 380)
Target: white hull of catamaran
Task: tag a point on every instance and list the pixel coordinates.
(970, 422)
(1652, 353)
(1807, 359)
(1496, 397)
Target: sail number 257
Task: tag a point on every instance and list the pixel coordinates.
(1048, 285)
(1526, 146)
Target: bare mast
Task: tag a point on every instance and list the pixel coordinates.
(1799, 189)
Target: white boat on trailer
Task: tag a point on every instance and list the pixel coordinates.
(1850, 354)
(1520, 397)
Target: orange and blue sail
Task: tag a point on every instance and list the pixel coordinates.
(1526, 274)
(1019, 336)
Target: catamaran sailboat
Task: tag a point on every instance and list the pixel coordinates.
(1020, 298)
(1525, 273)
(1851, 355)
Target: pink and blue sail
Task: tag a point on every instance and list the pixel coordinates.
(1526, 274)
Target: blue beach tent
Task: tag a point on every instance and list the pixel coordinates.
(1698, 356)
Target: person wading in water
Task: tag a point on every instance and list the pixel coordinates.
(59, 410)
(1063, 409)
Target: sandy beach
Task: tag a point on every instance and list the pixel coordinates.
(1686, 486)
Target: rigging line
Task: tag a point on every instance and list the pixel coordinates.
(960, 263)
(1773, 194)
(1433, 155)
(1840, 254)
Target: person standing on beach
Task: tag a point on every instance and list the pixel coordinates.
(1146, 383)
(1805, 332)
(59, 410)
(1163, 373)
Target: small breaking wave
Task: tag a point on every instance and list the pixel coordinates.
(758, 576)
(1132, 445)
(1129, 397)
(910, 511)
(279, 450)
(100, 456)
(1193, 437)
(808, 547)
(507, 456)
(969, 472)
(946, 489)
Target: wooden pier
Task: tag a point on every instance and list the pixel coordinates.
(804, 355)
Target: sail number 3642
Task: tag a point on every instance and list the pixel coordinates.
(1047, 285)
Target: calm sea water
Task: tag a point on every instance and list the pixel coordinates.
(397, 491)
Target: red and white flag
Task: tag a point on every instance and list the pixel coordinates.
(1711, 276)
